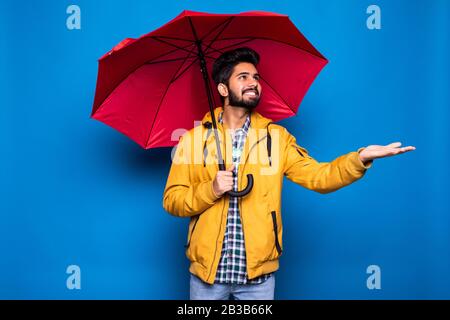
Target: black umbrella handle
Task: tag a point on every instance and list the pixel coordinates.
(246, 190)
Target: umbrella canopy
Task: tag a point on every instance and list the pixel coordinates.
(151, 86)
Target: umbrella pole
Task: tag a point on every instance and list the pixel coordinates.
(210, 96)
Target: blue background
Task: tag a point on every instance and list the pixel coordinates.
(74, 191)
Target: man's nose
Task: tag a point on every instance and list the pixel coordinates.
(253, 83)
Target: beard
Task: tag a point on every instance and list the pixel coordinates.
(249, 104)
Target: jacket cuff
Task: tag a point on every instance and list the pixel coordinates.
(209, 193)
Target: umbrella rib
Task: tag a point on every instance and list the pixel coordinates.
(231, 45)
(279, 95)
(184, 70)
(173, 45)
(162, 55)
(190, 65)
(168, 60)
(275, 40)
(187, 67)
(226, 21)
(173, 38)
(225, 25)
(164, 95)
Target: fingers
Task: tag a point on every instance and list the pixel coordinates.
(220, 187)
(226, 184)
(227, 179)
(406, 149)
(403, 149)
(228, 187)
(394, 145)
(395, 151)
(225, 174)
(223, 181)
(395, 148)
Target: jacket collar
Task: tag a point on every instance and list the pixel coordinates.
(257, 120)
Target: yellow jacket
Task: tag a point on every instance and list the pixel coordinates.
(189, 193)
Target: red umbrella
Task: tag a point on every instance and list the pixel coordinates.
(150, 86)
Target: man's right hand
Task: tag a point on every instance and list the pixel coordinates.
(223, 181)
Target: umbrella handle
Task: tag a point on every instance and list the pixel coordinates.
(246, 190)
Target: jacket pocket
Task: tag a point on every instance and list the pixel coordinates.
(275, 230)
(192, 232)
(302, 151)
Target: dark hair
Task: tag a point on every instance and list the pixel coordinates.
(224, 65)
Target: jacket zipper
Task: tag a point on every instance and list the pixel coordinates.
(240, 199)
(275, 230)
(242, 222)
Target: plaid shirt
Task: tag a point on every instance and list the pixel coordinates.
(232, 264)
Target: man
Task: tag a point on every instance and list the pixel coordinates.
(234, 243)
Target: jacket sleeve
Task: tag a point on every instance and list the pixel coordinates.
(322, 177)
(182, 197)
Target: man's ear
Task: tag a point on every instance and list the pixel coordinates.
(223, 90)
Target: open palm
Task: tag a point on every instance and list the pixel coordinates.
(375, 151)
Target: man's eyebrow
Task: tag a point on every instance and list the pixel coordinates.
(247, 73)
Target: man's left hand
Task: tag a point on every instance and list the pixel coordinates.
(375, 151)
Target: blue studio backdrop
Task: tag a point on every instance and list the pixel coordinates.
(81, 204)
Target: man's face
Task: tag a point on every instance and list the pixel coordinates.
(244, 89)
